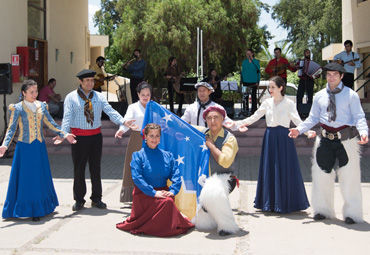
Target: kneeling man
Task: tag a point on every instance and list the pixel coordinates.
(215, 210)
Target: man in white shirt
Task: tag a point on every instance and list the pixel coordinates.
(338, 110)
(351, 61)
(194, 112)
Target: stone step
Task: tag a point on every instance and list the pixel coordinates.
(250, 142)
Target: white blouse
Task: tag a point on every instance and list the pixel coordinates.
(135, 111)
(276, 115)
(32, 106)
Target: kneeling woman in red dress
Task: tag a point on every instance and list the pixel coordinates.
(153, 207)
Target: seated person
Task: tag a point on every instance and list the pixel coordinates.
(193, 113)
(153, 207)
(48, 95)
(215, 209)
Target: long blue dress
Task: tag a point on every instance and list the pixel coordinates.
(31, 191)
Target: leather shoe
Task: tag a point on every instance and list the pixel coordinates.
(349, 220)
(224, 233)
(319, 216)
(35, 218)
(78, 206)
(99, 204)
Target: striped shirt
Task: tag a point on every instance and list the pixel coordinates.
(74, 112)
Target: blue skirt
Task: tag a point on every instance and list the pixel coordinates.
(31, 191)
(280, 185)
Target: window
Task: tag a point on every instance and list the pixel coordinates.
(37, 19)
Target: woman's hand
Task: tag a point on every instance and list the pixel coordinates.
(58, 140)
(229, 124)
(2, 151)
(131, 124)
(243, 128)
(118, 134)
(163, 194)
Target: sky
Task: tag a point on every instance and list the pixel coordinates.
(265, 19)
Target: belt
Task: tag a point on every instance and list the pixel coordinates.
(85, 132)
(343, 134)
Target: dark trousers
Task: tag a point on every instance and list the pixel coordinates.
(170, 98)
(348, 80)
(87, 149)
(305, 85)
(253, 87)
(134, 81)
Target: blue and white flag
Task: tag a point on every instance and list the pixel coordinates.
(188, 146)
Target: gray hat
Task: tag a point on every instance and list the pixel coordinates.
(204, 84)
(85, 74)
(335, 67)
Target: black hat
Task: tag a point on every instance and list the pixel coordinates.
(85, 74)
(335, 67)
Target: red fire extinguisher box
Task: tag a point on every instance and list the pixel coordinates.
(15, 68)
(30, 61)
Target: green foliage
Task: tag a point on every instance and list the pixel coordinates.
(310, 24)
(166, 28)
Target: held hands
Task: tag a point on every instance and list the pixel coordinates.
(163, 194)
(2, 151)
(364, 139)
(311, 134)
(70, 137)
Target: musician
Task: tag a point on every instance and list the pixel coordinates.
(214, 80)
(278, 66)
(306, 83)
(250, 77)
(194, 112)
(351, 61)
(100, 75)
(173, 75)
(136, 66)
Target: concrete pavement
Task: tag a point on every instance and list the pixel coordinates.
(92, 230)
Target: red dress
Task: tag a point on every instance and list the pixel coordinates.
(155, 216)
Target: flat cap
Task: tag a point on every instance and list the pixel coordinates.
(204, 84)
(85, 74)
(335, 67)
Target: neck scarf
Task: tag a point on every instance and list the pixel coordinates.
(332, 108)
(88, 109)
(202, 106)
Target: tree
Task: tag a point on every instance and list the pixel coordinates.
(165, 28)
(310, 24)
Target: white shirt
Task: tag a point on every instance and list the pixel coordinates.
(135, 111)
(191, 114)
(349, 111)
(348, 57)
(275, 115)
(32, 106)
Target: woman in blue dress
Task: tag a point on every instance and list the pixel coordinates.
(31, 191)
(280, 185)
(153, 207)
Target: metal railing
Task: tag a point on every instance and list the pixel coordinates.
(363, 85)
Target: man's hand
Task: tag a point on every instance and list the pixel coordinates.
(71, 138)
(209, 142)
(131, 124)
(311, 134)
(293, 133)
(118, 134)
(351, 63)
(364, 139)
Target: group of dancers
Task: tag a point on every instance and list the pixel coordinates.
(280, 186)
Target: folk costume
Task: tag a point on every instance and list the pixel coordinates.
(280, 185)
(31, 191)
(214, 209)
(82, 117)
(135, 111)
(151, 168)
(338, 112)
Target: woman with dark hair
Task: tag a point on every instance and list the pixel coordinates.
(133, 120)
(280, 185)
(173, 75)
(215, 81)
(31, 191)
(153, 208)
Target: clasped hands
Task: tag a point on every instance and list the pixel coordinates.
(163, 194)
(128, 123)
(70, 137)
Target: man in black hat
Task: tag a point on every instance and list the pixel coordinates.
(82, 117)
(338, 110)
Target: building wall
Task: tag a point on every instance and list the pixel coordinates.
(67, 30)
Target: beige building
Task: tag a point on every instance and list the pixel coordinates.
(355, 27)
(57, 35)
